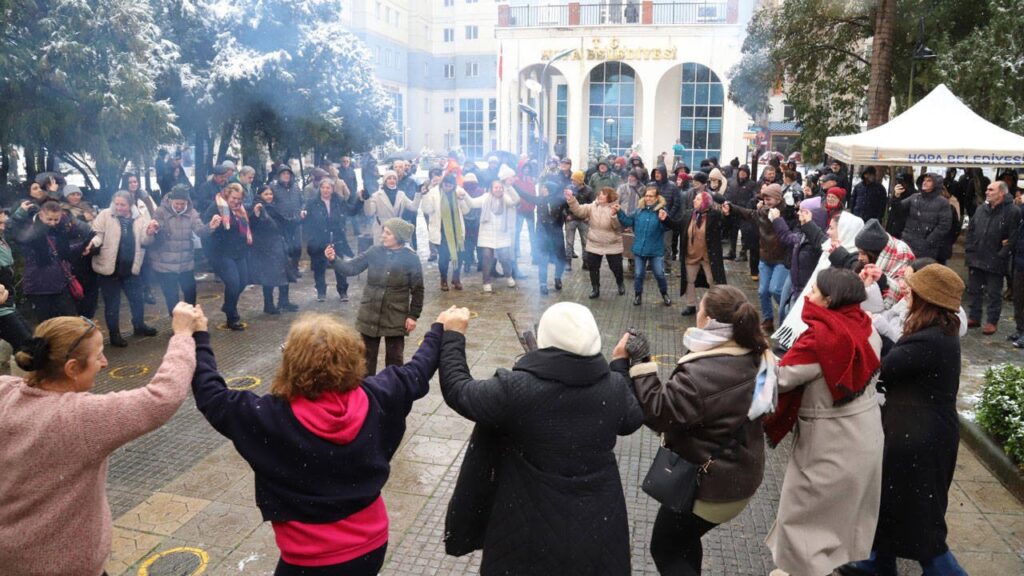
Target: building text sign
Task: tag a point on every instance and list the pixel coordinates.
(611, 50)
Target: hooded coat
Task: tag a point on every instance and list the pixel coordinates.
(558, 505)
(43, 273)
(928, 220)
(173, 249)
(107, 238)
(648, 229)
(268, 258)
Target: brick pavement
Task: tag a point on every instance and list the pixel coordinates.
(182, 499)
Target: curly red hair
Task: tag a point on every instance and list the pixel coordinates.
(321, 354)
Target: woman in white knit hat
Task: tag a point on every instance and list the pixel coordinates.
(550, 425)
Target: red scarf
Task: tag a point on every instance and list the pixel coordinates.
(838, 340)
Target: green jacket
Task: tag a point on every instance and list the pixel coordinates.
(598, 181)
(393, 292)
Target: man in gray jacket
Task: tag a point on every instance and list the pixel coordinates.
(987, 250)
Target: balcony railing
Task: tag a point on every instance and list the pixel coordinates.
(623, 14)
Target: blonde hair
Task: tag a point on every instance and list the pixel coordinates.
(44, 356)
(321, 354)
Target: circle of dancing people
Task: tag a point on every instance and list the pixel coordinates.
(866, 322)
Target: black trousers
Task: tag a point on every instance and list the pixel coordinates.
(171, 282)
(111, 288)
(982, 286)
(675, 542)
(394, 350)
(14, 330)
(732, 232)
(268, 296)
(594, 264)
(318, 262)
(754, 255)
(1018, 298)
(368, 564)
(46, 306)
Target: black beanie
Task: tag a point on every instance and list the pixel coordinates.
(872, 237)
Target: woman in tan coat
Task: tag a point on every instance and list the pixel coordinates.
(830, 496)
(118, 245)
(604, 237)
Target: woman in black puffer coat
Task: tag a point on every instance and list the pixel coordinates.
(558, 505)
(268, 259)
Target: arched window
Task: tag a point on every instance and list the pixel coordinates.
(612, 99)
(700, 113)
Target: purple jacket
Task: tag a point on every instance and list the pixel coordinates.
(805, 245)
(43, 273)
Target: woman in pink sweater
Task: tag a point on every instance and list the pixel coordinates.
(54, 515)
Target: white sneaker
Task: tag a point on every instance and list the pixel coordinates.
(487, 287)
(511, 282)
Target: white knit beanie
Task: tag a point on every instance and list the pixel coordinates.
(505, 172)
(571, 327)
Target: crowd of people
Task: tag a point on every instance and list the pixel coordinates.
(853, 345)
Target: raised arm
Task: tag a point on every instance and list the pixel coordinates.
(104, 422)
(672, 404)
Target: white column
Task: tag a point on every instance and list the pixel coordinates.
(649, 103)
(577, 121)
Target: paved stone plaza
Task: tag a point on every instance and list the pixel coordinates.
(182, 499)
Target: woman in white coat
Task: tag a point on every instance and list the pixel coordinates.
(444, 206)
(121, 235)
(497, 226)
(388, 202)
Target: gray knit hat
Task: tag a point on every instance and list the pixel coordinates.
(402, 230)
(872, 237)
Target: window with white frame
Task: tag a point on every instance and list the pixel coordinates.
(471, 126)
(472, 69)
(472, 32)
(448, 3)
(449, 105)
(449, 71)
(449, 34)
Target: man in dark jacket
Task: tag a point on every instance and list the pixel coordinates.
(987, 250)
(928, 218)
(1016, 245)
(868, 200)
(741, 192)
(772, 271)
(208, 190)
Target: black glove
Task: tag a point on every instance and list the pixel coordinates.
(637, 346)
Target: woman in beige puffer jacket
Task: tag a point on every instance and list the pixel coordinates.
(604, 238)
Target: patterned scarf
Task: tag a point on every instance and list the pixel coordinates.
(894, 258)
(703, 339)
(451, 225)
(702, 209)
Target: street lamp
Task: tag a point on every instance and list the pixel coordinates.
(540, 91)
(921, 52)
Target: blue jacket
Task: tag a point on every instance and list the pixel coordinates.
(648, 229)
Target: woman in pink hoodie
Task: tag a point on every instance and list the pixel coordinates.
(57, 437)
(321, 442)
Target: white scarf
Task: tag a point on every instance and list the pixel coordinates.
(711, 336)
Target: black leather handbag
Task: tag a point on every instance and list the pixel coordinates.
(673, 480)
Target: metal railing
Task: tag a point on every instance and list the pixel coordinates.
(622, 14)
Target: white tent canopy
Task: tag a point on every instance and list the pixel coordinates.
(940, 130)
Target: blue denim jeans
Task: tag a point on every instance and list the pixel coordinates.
(234, 273)
(942, 565)
(657, 264)
(769, 285)
(787, 295)
(545, 257)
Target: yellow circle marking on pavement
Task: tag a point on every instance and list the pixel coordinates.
(243, 382)
(224, 327)
(199, 553)
(664, 359)
(130, 371)
(473, 314)
(209, 297)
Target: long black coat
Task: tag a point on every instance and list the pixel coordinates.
(713, 222)
(268, 258)
(551, 213)
(320, 228)
(558, 506)
(921, 375)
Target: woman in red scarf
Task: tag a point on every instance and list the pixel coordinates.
(830, 496)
